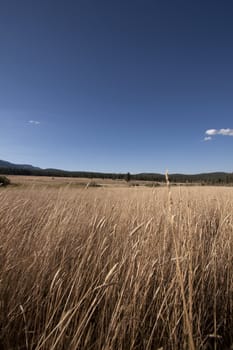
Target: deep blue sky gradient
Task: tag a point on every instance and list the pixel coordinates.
(117, 85)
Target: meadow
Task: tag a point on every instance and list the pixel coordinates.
(116, 267)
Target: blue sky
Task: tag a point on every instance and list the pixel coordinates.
(117, 85)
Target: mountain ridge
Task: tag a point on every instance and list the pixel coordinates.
(6, 164)
(9, 165)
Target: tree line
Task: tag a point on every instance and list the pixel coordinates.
(219, 178)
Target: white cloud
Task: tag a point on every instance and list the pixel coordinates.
(208, 138)
(228, 132)
(35, 122)
(211, 132)
(224, 132)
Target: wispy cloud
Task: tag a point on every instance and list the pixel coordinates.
(224, 132)
(207, 138)
(211, 132)
(34, 122)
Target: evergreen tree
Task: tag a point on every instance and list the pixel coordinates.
(128, 177)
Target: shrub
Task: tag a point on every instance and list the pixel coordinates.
(4, 181)
(93, 184)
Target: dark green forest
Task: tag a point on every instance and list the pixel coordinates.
(218, 178)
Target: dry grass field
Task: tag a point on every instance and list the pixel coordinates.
(116, 268)
(50, 182)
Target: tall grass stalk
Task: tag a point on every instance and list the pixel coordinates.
(116, 268)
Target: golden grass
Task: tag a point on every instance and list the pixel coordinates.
(116, 268)
(49, 181)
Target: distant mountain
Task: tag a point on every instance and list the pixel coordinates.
(204, 178)
(8, 165)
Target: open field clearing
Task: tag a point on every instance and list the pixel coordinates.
(116, 268)
(76, 182)
(63, 181)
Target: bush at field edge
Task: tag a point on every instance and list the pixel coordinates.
(4, 181)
